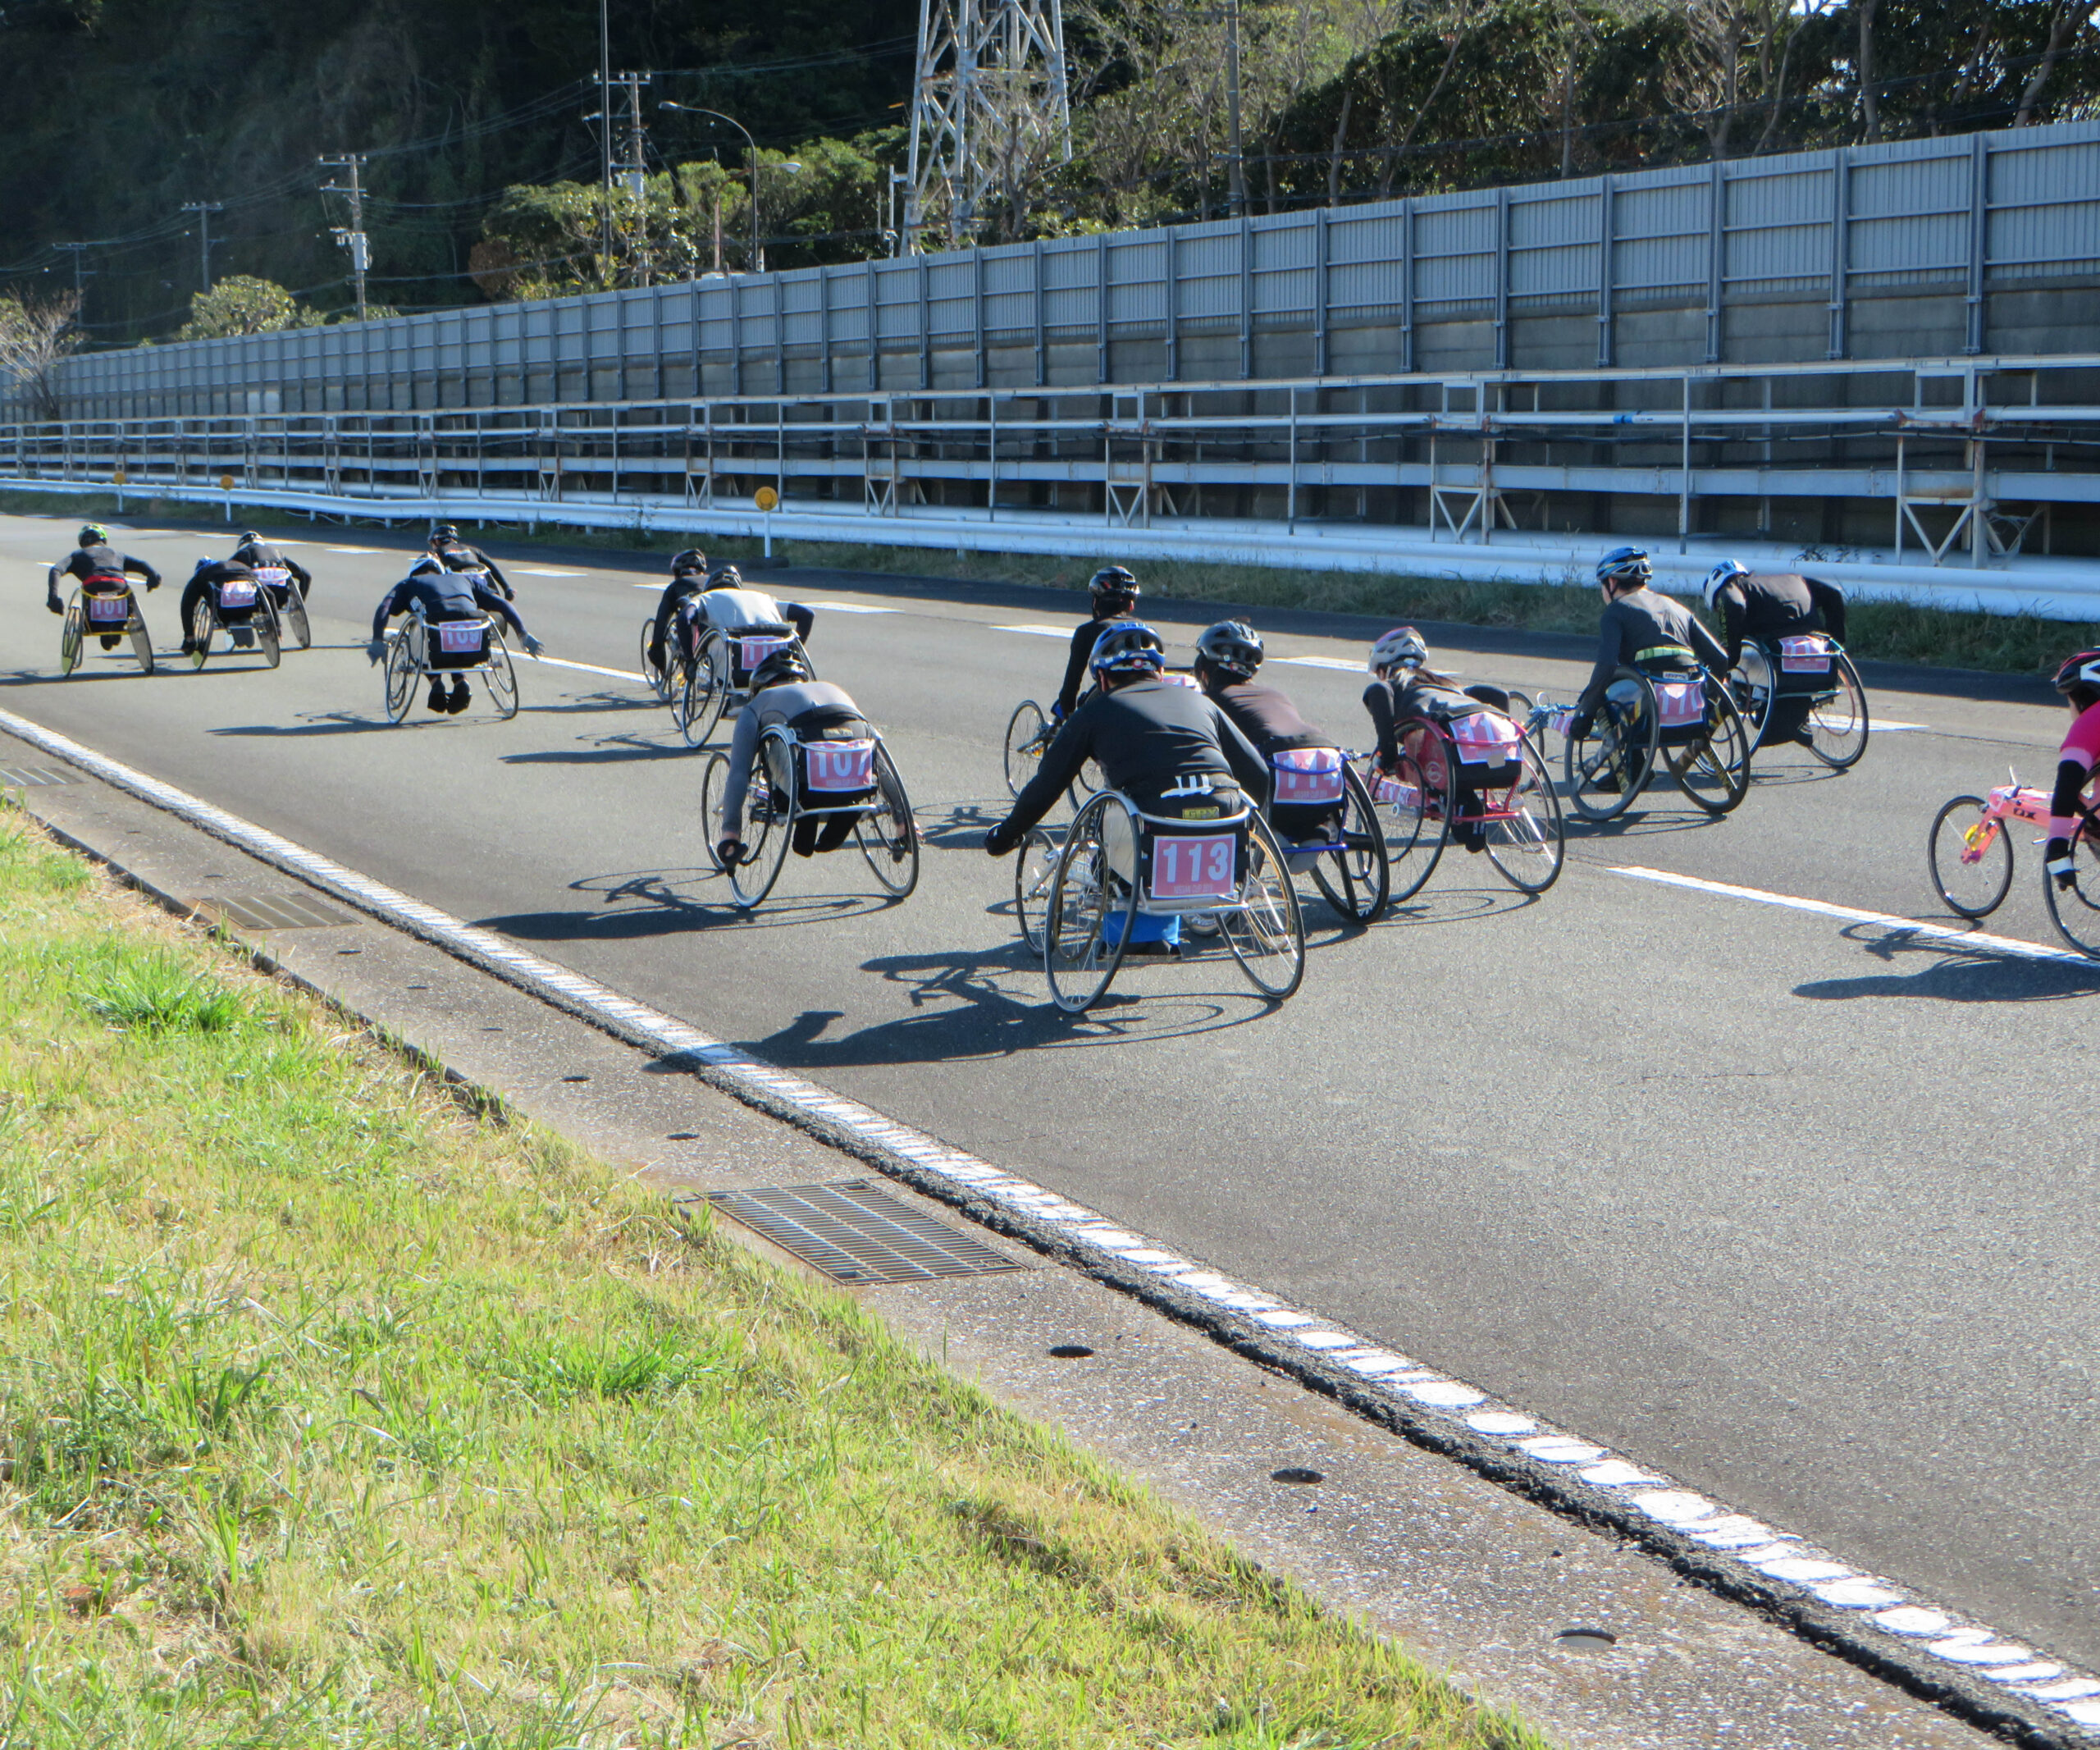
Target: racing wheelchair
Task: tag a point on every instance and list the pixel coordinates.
(1326, 820)
(1802, 688)
(103, 607)
(241, 609)
(1078, 900)
(710, 668)
(795, 780)
(1688, 722)
(290, 605)
(418, 648)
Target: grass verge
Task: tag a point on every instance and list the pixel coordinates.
(1877, 630)
(332, 1412)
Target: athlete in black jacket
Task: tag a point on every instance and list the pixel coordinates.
(1641, 629)
(455, 554)
(1115, 593)
(1771, 605)
(259, 556)
(94, 557)
(209, 574)
(688, 579)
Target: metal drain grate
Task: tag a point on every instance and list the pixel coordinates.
(273, 911)
(24, 777)
(855, 1232)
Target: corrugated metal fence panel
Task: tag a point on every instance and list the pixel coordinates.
(1454, 252)
(1366, 256)
(1909, 219)
(1009, 291)
(1207, 259)
(1778, 215)
(1068, 282)
(2045, 202)
(951, 297)
(1553, 243)
(1660, 223)
(1137, 284)
(1285, 260)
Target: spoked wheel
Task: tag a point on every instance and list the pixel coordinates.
(501, 676)
(1356, 879)
(2076, 909)
(295, 615)
(1417, 824)
(202, 624)
(142, 641)
(71, 630)
(1837, 720)
(1530, 847)
(1610, 766)
(706, 692)
(658, 678)
(1266, 931)
(1086, 891)
(1714, 771)
(268, 638)
(1753, 685)
(1522, 705)
(768, 818)
(1035, 867)
(1970, 858)
(1026, 741)
(888, 835)
(401, 677)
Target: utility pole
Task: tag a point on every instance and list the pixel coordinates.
(1238, 159)
(204, 209)
(353, 238)
(604, 132)
(637, 165)
(80, 273)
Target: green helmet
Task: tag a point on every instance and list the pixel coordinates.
(94, 535)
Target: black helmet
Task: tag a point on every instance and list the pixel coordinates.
(444, 532)
(727, 577)
(1233, 646)
(2079, 679)
(691, 559)
(1113, 583)
(1125, 647)
(1626, 567)
(248, 538)
(94, 535)
(786, 664)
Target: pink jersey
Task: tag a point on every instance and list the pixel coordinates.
(2082, 744)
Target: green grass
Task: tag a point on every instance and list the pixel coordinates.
(1883, 631)
(334, 1413)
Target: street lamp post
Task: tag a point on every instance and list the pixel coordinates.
(758, 249)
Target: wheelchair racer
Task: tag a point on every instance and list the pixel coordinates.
(1115, 592)
(205, 580)
(1773, 605)
(455, 554)
(1404, 685)
(2079, 681)
(94, 557)
(1640, 628)
(688, 579)
(258, 555)
(444, 595)
(784, 693)
(1171, 749)
(729, 606)
(1227, 656)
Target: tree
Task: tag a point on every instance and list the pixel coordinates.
(35, 334)
(241, 304)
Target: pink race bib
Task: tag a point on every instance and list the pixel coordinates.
(1805, 655)
(459, 638)
(1196, 867)
(237, 592)
(1307, 775)
(1485, 739)
(840, 768)
(109, 610)
(1679, 704)
(276, 576)
(751, 653)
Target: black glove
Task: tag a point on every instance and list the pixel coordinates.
(1001, 839)
(2056, 858)
(1580, 727)
(730, 851)
(54, 604)
(153, 585)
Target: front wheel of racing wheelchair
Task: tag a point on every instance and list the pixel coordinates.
(1610, 765)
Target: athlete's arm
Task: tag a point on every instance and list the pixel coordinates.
(1707, 648)
(1609, 641)
(743, 748)
(800, 617)
(501, 581)
(1083, 642)
(1734, 611)
(1829, 601)
(1061, 760)
(1378, 701)
(1243, 756)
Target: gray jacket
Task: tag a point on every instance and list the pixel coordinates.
(773, 705)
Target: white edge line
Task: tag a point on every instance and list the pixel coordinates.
(1038, 631)
(590, 668)
(1962, 1643)
(1851, 915)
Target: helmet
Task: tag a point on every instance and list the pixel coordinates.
(1233, 646)
(1401, 648)
(247, 537)
(786, 664)
(426, 563)
(728, 576)
(94, 535)
(1627, 566)
(1113, 583)
(1125, 647)
(444, 532)
(2079, 679)
(691, 559)
(1720, 577)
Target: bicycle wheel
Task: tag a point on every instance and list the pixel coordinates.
(1619, 752)
(267, 639)
(1035, 867)
(1714, 771)
(654, 674)
(1418, 825)
(1085, 892)
(887, 834)
(71, 629)
(1970, 858)
(142, 641)
(1531, 846)
(1356, 879)
(501, 676)
(401, 677)
(1754, 684)
(768, 822)
(2076, 910)
(203, 623)
(1837, 720)
(1266, 931)
(1026, 741)
(706, 690)
(295, 615)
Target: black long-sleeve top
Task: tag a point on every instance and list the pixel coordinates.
(1083, 639)
(456, 556)
(442, 598)
(1777, 604)
(87, 562)
(1418, 696)
(1265, 716)
(1644, 630)
(258, 554)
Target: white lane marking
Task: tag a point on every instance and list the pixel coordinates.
(1326, 662)
(1950, 934)
(1588, 1467)
(546, 571)
(590, 668)
(1038, 631)
(353, 550)
(1875, 726)
(848, 607)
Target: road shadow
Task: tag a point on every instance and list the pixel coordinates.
(1942, 970)
(321, 722)
(1454, 905)
(657, 903)
(613, 750)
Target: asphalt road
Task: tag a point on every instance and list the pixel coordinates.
(1797, 1209)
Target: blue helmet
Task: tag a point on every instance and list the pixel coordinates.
(1627, 566)
(1126, 646)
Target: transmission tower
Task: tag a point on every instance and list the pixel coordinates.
(989, 113)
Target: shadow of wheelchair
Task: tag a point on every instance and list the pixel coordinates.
(1946, 972)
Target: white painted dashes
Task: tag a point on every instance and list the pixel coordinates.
(1775, 1555)
(1326, 662)
(590, 668)
(546, 571)
(1038, 631)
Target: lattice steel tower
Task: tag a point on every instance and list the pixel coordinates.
(989, 114)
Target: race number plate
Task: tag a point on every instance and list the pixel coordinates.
(1485, 739)
(840, 768)
(1679, 704)
(751, 653)
(276, 576)
(1307, 775)
(1192, 868)
(237, 592)
(1399, 795)
(109, 610)
(1805, 655)
(459, 638)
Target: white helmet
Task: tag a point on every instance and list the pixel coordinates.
(1722, 575)
(1402, 648)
